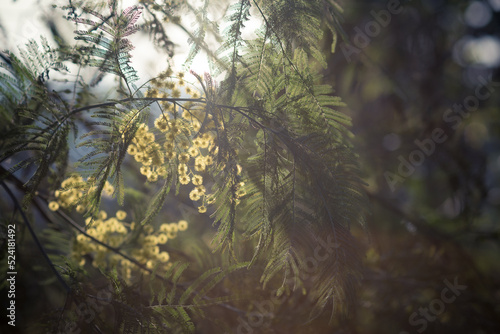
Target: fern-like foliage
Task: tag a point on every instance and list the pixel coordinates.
(172, 305)
(303, 173)
(43, 115)
(197, 38)
(283, 176)
(22, 76)
(285, 18)
(110, 49)
(233, 41)
(114, 129)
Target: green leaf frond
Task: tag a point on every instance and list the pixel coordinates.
(109, 48)
(21, 79)
(304, 176)
(298, 197)
(114, 129)
(229, 51)
(185, 301)
(204, 26)
(41, 142)
(295, 24)
(158, 201)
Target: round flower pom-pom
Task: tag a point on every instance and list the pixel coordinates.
(162, 238)
(53, 206)
(182, 225)
(121, 215)
(164, 257)
(194, 195)
(184, 179)
(197, 180)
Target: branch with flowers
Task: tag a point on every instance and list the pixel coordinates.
(178, 194)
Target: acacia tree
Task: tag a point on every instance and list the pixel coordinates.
(178, 203)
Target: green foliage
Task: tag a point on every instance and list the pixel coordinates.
(110, 50)
(284, 177)
(233, 40)
(197, 38)
(42, 117)
(114, 131)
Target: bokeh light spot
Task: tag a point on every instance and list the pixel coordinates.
(477, 14)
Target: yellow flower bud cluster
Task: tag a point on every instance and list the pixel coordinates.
(73, 191)
(177, 144)
(114, 232)
(111, 231)
(149, 153)
(179, 149)
(167, 85)
(193, 158)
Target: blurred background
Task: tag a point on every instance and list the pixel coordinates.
(421, 80)
(427, 70)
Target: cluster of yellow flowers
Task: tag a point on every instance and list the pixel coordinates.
(179, 146)
(72, 192)
(113, 231)
(166, 82)
(149, 153)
